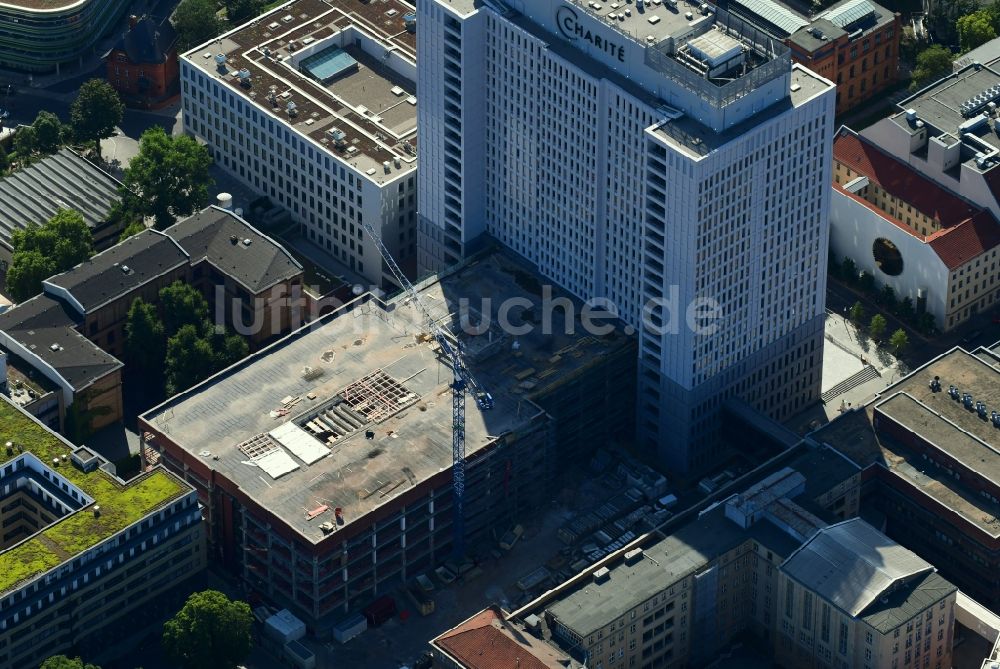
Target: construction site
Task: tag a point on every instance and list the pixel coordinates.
(324, 462)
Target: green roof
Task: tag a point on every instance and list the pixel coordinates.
(121, 505)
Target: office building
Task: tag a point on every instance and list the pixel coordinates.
(314, 106)
(646, 155)
(86, 559)
(854, 43)
(930, 246)
(929, 445)
(324, 461)
(44, 36)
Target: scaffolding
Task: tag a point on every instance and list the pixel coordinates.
(377, 396)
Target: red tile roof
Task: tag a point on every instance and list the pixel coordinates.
(967, 231)
(900, 180)
(959, 245)
(481, 642)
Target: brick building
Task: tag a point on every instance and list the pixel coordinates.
(854, 43)
(143, 67)
(73, 334)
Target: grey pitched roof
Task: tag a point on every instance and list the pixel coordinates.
(119, 270)
(148, 42)
(907, 601)
(61, 181)
(851, 564)
(220, 237)
(46, 327)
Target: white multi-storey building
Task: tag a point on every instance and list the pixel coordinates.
(651, 154)
(314, 105)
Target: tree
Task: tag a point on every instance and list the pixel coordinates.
(239, 11)
(857, 312)
(145, 338)
(926, 323)
(26, 272)
(849, 270)
(906, 309)
(63, 662)
(168, 178)
(48, 130)
(867, 281)
(190, 359)
(181, 304)
(95, 112)
(943, 16)
(899, 341)
(4, 161)
(229, 348)
(40, 251)
(64, 238)
(132, 229)
(210, 632)
(877, 326)
(933, 63)
(887, 296)
(975, 29)
(195, 22)
(25, 142)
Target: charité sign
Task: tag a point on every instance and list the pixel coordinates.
(570, 27)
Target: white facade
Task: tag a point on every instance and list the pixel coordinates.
(328, 192)
(622, 174)
(854, 228)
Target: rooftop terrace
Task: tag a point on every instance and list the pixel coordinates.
(121, 505)
(327, 67)
(371, 370)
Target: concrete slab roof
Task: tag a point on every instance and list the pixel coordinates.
(688, 550)
(408, 445)
(374, 104)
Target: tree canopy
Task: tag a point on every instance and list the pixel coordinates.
(899, 341)
(933, 63)
(240, 11)
(168, 178)
(196, 22)
(182, 305)
(25, 141)
(145, 340)
(48, 131)
(210, 632)
(95, 112)
(975, 29)
(63, 662)
(877, 326)
(43, 250)
(943, 16)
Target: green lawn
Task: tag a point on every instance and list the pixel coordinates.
(121, 505)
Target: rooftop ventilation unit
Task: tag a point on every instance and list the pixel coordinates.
(220, 59)
(292, 109)
(602, 575)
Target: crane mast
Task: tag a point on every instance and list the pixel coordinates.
(462, 382)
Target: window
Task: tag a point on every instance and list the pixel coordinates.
(843, 638)
(789, 600)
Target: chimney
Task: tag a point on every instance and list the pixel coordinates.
(132, 20)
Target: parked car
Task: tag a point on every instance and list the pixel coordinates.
(445, 575)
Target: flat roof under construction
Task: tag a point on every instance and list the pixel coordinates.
(365, 398)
